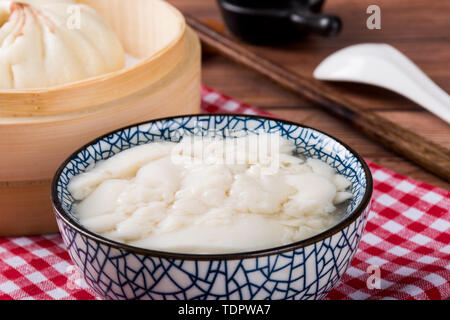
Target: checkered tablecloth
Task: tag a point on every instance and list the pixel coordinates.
(404, 252)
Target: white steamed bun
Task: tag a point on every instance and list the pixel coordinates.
(41, 44)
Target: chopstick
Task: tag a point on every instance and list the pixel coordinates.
(425, 153)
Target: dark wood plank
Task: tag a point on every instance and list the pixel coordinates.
(417, 28)
(427, 154)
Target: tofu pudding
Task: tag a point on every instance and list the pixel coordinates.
(210, 196)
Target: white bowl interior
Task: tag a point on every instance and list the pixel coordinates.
(309, 142)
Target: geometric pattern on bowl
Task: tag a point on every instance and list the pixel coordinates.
(304, 270)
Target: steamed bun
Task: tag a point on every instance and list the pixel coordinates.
(43, 44)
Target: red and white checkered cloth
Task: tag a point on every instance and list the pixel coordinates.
(406, 243)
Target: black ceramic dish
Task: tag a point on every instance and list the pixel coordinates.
(272, 22)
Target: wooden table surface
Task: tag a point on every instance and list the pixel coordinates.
(418, 28)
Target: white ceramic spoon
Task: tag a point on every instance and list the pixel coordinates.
(384, 66)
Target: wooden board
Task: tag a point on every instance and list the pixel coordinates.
(417, 28)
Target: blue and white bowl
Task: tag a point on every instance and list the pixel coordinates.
(307, 269)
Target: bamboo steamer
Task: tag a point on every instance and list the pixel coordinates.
(39, 128)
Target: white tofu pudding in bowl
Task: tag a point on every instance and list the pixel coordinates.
(213, 207)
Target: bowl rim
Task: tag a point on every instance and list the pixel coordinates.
(62, 214)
